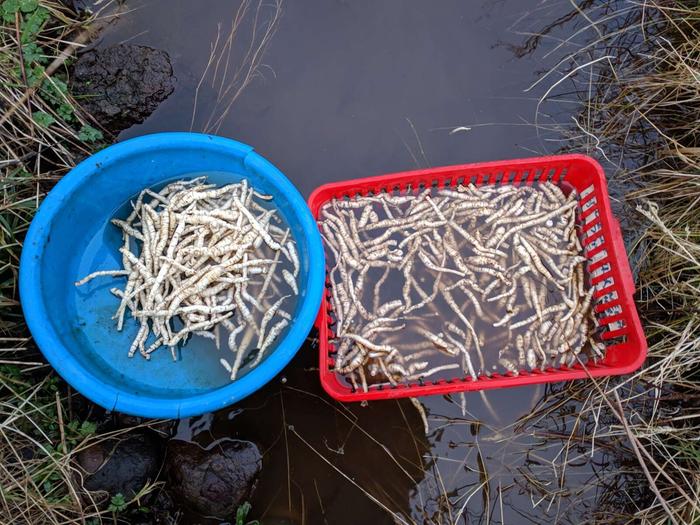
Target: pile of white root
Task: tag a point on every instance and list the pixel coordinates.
(202, 260)
(457, 281)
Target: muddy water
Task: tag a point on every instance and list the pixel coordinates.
(489, 330)
(352, 89)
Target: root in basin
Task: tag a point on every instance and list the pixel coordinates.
(206, 261)
(457, 282)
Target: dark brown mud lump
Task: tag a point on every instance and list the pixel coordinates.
(121, 465)
(212, 481)
(121, 85)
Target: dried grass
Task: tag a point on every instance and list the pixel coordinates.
(40, 139)
(641, 117)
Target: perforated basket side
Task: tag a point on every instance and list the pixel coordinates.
(603, 246)
(609, 270)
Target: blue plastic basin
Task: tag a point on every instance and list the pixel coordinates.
(71, 237)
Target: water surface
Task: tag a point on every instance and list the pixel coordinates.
(353, 89)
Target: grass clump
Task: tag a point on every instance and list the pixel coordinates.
(42, 130)
(43, 133)
(639, 80)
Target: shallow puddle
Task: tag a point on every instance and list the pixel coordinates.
(353, 89)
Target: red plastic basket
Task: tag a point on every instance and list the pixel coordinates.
(607, 265)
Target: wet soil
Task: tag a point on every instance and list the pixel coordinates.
(121, 465)
(122, 85)
(215, 480)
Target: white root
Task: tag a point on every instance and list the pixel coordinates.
(275, 331)
(468, 270)
(421, 412)
(291, 281)
(292, 252)
(190, 253)
(111, 273)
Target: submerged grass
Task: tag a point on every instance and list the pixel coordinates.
(639, 80)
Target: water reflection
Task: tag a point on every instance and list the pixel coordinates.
(321, 459)
(492, 457)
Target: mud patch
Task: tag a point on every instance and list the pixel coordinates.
(121, 85)
(213, 481)
(121, 466)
